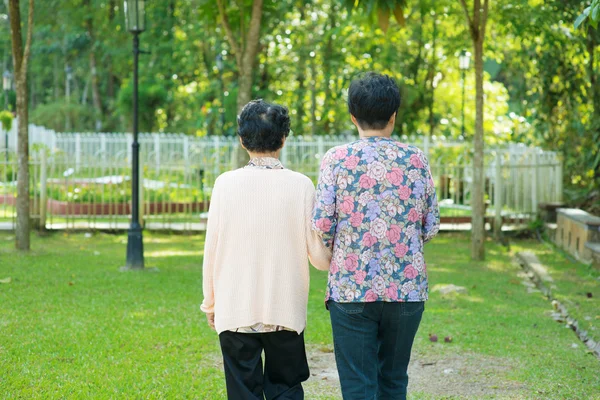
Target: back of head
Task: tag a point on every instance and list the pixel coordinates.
(263, 126)
(373, 98)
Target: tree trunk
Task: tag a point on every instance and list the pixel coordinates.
(20, 60)
(592, 43)
(23, 224)
(96, 91)
(477, 196)
(244, 87)
(245, 50)
(313, 98)
(109, 62)
(96, 100)
(476, 24)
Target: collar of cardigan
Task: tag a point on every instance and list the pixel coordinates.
(265, 163)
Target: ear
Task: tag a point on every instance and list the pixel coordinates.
(392, 120)
(354, 121)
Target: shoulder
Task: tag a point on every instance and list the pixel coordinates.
(301, 180)
(339, 153)
(226, 177)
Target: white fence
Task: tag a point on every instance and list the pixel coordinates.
(81, 180)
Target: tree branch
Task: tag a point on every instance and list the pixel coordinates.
(484, 18)
(253, 36)
(463, 3)
(15, 29)
(29, 36)
(229, 32)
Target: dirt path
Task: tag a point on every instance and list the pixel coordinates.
(465, 376)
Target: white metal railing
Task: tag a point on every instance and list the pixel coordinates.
(82, 180)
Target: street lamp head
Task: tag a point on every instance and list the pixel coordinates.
(219, 62)
(135, 15)
(6, 80)
(464, 59)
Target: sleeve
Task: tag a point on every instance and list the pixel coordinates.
(210, 246)
(318, 254)
(324, 219)
(431, 216)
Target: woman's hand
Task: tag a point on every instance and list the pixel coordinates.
(210, 318)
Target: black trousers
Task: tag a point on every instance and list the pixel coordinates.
(286, 366)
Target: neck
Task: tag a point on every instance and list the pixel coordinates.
(274, 154)
(385, 133)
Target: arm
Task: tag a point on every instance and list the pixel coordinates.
(431, 214)
(324, 218)
(210, 245)
(318, 254)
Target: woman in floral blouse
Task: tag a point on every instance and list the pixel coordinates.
(376, 207)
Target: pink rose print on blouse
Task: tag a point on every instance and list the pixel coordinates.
(393, 234)
(359, 277)
(416, 161)
(366, 182)
(356, 219)
(347, 205)
(333, 268)
(369, 240)
(400, 250)
(323, 224)
(404, 192)
(392, 292)
(351, 162)
(340, 154)
(370, 296)
(351, 262)
(410, 272)
(395, 176)
(413, 215)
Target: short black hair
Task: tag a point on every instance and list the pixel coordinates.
(373, 98)
(262, 126)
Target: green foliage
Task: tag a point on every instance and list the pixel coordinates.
(8, 98)
(150, 98)
(119, 193)
(6, 119)
(54, 116)
(591, 14)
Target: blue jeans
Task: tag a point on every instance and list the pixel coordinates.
(373, 342)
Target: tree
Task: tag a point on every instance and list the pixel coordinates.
(20, 61)
(476, 22)
(245, 47)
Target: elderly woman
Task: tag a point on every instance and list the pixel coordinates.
(256, 276)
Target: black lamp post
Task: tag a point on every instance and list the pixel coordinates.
(135, 23)
(6, 84)
(220, 66)
(464, 59)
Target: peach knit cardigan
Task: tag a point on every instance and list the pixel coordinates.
(258, 243)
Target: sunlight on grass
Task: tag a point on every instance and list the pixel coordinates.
(73, 326)
(172, 253)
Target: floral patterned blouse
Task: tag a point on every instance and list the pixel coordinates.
(376, 205)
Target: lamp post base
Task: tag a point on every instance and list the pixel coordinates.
(135, 248)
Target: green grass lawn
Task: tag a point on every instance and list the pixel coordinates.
(573, 283)
(73, 326)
